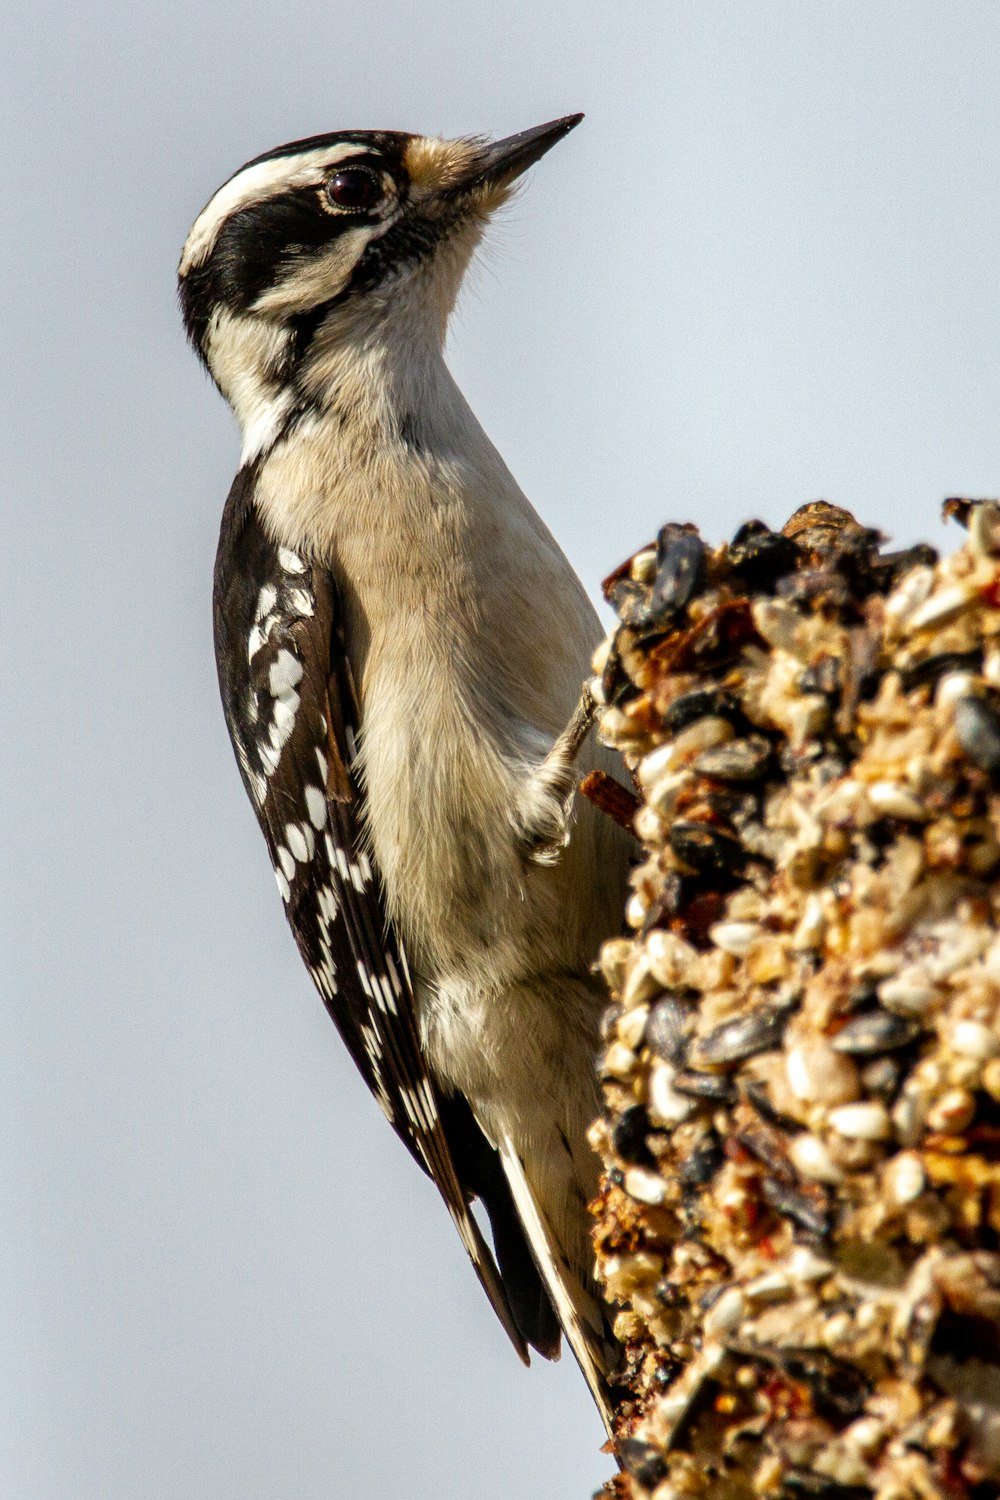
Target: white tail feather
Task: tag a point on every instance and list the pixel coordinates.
(577, 1310)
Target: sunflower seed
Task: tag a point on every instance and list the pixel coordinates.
(714, 1086)
(874, 1032)
(643, 1461)
(707, 850)
(667, 1030)
(704, 703)
(740, 760)
(757, 1031)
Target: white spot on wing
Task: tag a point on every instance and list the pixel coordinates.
(316, 807)
(286, 861)
(324, 974)
(283, 886)
(283, 717)
(420, 1106)
(300, 602)
(340, 860)
(412, 1107)
(388, 1002)
(290, 561)
(285, 673)
(430, 1102)
(266, 600)
(296, 842)
(327, 903)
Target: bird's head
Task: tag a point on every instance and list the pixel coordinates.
(327, 239)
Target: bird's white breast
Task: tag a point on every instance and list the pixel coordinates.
(469, 636)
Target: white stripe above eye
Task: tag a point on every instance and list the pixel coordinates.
(254, 184)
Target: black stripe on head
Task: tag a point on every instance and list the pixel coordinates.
(390, 145)
(261, 241)
(253, 247)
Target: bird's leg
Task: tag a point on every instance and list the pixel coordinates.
(546, 801)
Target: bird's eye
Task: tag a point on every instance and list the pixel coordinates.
(354, 189)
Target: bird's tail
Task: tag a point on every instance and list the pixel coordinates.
(580, 1313)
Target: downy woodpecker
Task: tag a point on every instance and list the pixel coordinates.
(401, 646)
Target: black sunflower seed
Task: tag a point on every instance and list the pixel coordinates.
(645, 1463)
(616, 685)
(667, 1029)
(703, 703)
(807, 1209)
(757, 1031)
(873, 1032)
(933, 667)
(630, 601)
(894, 565)
(680, 570)
(714, 1086)
(769, 1146)
(708, 850)
(739, 760)
(759, 556)
(755, 1092)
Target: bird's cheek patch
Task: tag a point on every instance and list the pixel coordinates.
(318, 277)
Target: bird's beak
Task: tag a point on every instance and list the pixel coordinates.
(501, 162)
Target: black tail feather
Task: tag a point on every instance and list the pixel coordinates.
(480, 1172)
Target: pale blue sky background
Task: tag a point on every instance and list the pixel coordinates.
(764, 270)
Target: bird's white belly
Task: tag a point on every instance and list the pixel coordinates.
(439, 797)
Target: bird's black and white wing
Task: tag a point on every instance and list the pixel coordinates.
(292, 714)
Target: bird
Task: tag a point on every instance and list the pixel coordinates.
(402, 648)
